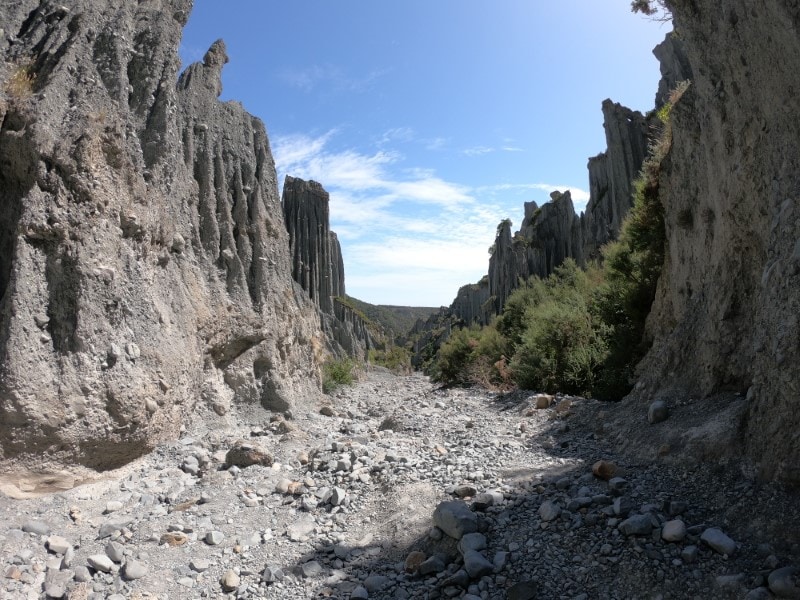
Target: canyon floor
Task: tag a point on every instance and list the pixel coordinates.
(341, 505)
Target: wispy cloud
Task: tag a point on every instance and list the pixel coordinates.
(397, 134)
(477, 150)
(409, 236)
(312, 77)
(437, 143)
(363, 177)
(481, 150)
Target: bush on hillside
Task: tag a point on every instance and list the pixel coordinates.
(473, 356)
(562, 346)
(337, 372)
(395, 358)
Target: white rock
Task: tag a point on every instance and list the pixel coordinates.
(100, 562)
(58, 544)
(718, 541)
(673, 531)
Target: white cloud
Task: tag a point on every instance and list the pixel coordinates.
(312, 77)
(397, 134)
(408, 235)
(478, 150)
(481, 150)
(437, 143)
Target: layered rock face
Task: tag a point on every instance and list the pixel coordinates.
(144, 263)
(317, 264)
(306, 214)
(611, 175)
(726, 316)
(472, 302)
(674, 64)
(549, 235)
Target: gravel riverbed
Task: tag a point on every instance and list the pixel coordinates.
(396, 489)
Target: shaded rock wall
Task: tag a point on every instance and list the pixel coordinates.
(472, 302)
(144, 266)
(725, 317)
(306, 214)
(337, 267)
(674, 64)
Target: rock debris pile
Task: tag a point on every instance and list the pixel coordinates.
(396, 489)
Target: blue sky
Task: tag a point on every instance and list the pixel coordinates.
(429, 121)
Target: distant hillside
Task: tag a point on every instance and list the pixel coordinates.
(397, 319)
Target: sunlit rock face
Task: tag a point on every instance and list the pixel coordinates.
(145, 273)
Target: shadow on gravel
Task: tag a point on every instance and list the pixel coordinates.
(562, 532)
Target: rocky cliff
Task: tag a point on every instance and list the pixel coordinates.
(472, 303)
(317, 264)
(553, 232)
(145, 272)
(725, 319)
(628, 136)
(306, 214)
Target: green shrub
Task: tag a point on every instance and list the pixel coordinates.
(454, 357)
(337, 372)
(562, 347)
(395, 358)
(473, 356)
(511, 323)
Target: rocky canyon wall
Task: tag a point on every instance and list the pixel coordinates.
(726, 316)
(550, 233)
(553, 232)
(145, 273)
(317, 264)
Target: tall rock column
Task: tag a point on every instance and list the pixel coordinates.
(337, 266)
(318, 267)
(611, 175)
(305, 210)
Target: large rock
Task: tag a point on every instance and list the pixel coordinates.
(716, 540)
(785, 582)
(246, 454)
(144, 263)
(455, 519)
